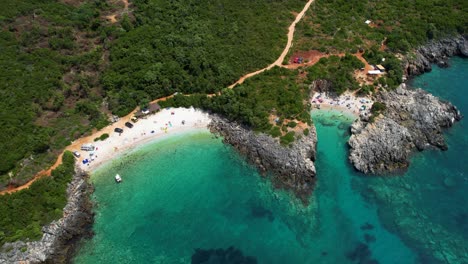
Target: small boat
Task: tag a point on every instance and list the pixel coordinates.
(118, 179)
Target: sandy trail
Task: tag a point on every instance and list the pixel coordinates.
(279, 61)
(113, 17)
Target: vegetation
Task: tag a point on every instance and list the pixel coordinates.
(274, 93)
(338, 26)
(102, 137)
(397, 26)
(23, 213)
(59, 61)
(45, 74)
(392, 64)
(339, 71)
(193, 47)
(376, 109)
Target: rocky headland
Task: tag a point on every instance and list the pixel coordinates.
(60, 237)
(413, 120)
(292, 167)
(438, 52)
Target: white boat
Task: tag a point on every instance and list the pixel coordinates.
(118, 179)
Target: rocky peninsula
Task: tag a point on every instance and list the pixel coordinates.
(292, 167)
(60, 237)
(413, 119)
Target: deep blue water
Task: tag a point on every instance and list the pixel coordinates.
(193, 192)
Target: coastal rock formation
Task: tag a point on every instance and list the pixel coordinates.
(321, 86)
(61, 236)
(292, 167)
(413, 119)
(436, 52)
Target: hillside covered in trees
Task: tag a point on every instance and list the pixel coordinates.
(64, 64)
(339, 26)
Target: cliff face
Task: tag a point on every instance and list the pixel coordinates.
(435, 52)
(292, 167)
(414, 119)
(61, 236)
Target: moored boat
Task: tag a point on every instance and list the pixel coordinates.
(118, 179)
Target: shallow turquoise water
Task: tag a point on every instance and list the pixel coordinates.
(191, 191)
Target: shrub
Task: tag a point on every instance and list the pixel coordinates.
(102, 137)
(287, 139)
(292, 124)
(275, 131)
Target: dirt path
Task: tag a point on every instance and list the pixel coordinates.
(279, 61)
(113, 17)
(110, 129)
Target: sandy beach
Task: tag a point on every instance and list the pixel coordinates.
(165, 123)
(347, 103)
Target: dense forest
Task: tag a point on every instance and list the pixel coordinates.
(193, 47)
(48, 58)
(339, 25)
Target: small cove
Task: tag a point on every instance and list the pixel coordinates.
(192, 191)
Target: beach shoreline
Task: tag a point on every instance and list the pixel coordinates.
(347, 103)
(158, 126)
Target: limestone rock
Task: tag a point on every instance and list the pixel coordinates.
(414, 119)
(292, 167)
(438, 52)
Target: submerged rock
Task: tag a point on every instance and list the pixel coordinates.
(230, 255)
(413, 119)
(292, 167)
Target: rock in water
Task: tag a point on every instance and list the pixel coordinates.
(413, 119)
(292, 167)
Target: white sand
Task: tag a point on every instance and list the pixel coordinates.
(163, 124)
(347, 102)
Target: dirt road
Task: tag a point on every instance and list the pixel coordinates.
(279, 61)
(110, 129)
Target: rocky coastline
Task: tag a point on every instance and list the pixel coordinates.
(413, 119)
(435, 52)
(60, 237)
(291, 167)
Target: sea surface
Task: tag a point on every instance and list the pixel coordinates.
(191, 198)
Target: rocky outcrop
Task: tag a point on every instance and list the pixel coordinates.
(438, 52)
(413, 119)
(291, 167)
(61, 236)
(322, 86)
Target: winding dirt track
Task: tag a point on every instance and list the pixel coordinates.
(109, 129)
(279, 61)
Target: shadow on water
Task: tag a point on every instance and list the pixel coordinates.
(258, 211)
(231, 255)
(361, 254)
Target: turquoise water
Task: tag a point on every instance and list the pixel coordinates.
(192, 192)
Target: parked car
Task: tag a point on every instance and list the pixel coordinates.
(118, 130)
(128, 124)
(76, 154)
